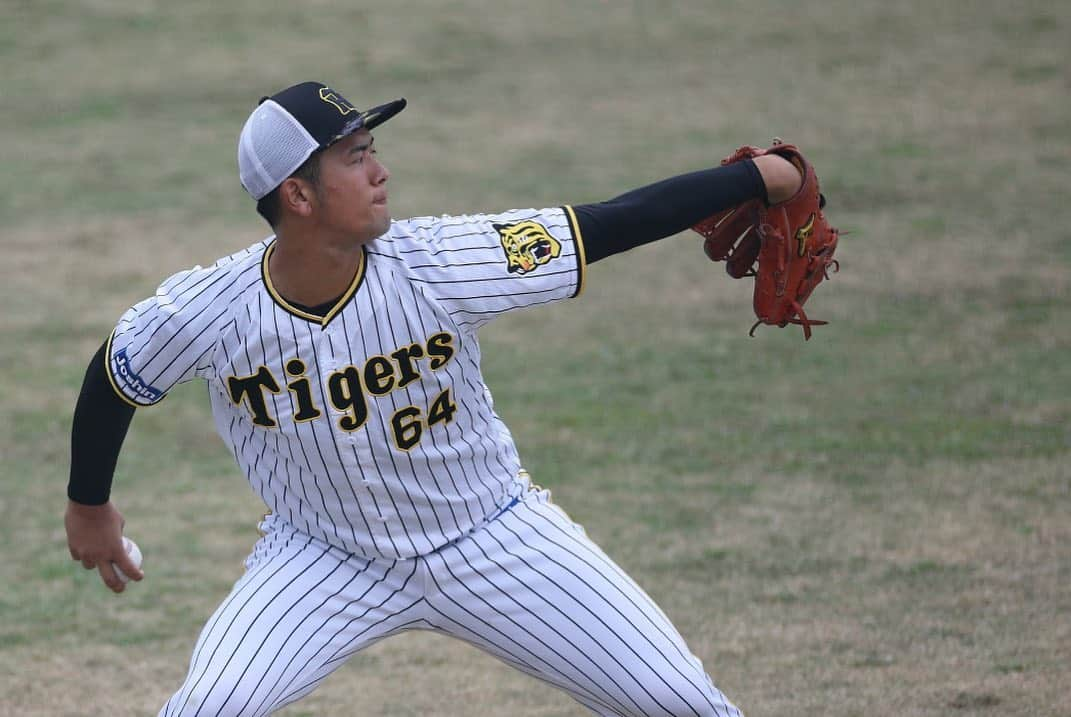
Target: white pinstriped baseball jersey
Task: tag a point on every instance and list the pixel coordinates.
(371, 427)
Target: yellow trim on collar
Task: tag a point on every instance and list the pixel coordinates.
(290, 308)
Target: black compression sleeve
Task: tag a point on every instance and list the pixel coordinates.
(101, 420)
(664, 208)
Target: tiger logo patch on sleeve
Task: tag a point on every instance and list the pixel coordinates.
(528, 245)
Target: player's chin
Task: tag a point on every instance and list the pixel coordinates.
(371, 228)
(382, 220)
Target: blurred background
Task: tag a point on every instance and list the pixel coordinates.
(872, 522)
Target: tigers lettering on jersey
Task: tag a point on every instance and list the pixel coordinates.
(347, 387)
(370, 427)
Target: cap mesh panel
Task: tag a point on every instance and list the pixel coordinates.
(272, 145)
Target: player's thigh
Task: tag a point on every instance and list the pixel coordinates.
(531, 588)
(295, 616)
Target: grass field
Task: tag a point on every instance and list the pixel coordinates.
(876, 522)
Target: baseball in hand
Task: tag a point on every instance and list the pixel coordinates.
(134, 552)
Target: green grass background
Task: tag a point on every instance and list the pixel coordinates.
(876, 522)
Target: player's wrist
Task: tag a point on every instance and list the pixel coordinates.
(89, 510)
(781, 177)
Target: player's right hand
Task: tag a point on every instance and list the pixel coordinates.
(95, 538)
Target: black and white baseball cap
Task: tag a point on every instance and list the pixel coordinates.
(290, 125)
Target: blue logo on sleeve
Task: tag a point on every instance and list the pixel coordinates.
(132, 382)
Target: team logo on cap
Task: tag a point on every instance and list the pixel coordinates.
(333, 98)
(528, 245)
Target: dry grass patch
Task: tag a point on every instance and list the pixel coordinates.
(871, 523)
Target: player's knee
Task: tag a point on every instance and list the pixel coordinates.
(712, 704)
(684, 699)
(697, 708)
(222, 698)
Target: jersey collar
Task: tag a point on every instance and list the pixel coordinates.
(291, 309)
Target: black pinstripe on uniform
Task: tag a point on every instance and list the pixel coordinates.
(367, 537)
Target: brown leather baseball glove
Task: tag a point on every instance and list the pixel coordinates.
(788, 247)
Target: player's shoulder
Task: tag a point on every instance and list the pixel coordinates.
(431, 230)
(414, 230)
(241, 260)
(405, 237)
(226, 277)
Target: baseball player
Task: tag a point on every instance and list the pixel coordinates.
(343, 369)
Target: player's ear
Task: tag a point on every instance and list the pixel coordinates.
(296, 196)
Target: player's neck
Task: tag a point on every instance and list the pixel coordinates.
(312, 273)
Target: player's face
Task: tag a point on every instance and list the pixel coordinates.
(352, 191)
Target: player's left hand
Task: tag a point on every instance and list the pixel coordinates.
(787, 246)
(95, 537)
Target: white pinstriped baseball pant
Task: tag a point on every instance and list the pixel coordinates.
(527, 587)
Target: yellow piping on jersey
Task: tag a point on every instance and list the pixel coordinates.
(111, 378)
(581, 256)
(321, 320)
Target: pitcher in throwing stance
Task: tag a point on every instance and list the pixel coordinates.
(343, 369)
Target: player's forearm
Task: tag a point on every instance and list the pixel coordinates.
(101, 420)
(664, 208)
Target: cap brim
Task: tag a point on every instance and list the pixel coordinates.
(378, 115)
(370, 119)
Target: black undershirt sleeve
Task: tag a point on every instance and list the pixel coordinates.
(101, 420)
(664, 208)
